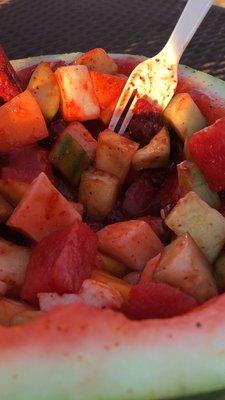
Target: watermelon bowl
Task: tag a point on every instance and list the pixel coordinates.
(77, 352)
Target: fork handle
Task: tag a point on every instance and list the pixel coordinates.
(188, 23)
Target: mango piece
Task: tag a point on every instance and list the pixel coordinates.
(98, 192)
(9, 308)
(183, 265)
(117, 283)
(78, 99)
(21, 122)
(114, 154)
(23, 317)
(111, 265)
(219, 271)
(191, 179)
(13, 191)
(42, 210)
(155, 154)
(184, 115)
(205, 224)
(45, 89)
(98, 60)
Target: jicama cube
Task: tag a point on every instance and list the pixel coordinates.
(13, 265)
(98, 60)
(191, 179)
(42, 210)
(184, 115)
(114, 154)
(183, 265)
(131, 242)
(21, 122)
(92, 293)
(155, 154)
(78, 99)
(73, 151)
(205, 224)
(98, 192)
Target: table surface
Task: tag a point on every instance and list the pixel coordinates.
(34, 27)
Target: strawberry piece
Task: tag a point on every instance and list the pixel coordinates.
(9, 82)
(158, 300)
(61, 261)
(207, 147)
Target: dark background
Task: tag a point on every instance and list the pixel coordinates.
(34, 27)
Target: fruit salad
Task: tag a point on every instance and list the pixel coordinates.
(132, 222)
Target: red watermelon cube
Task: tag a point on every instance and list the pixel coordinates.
(158, 300)
(207, 148)
(61, 261)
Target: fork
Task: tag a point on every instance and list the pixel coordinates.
(156, 77)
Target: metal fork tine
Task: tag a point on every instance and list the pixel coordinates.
(121, 104)
(128, 116)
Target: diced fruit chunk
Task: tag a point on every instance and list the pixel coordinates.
(112, 281)
(207, 148)
(92, 293)
(131, 242)
(191, 179)
(9, 308)
(24, 164)
(78, 99)
(98, 60)
(111, 265)
(203, 223)
(13, 191)
(61, 261)
(13, 265)
(155, 154)
(5, 209)
(98, 192)
(42, 210)
(45, 89)
(114, 154)
(21, 122)
(108, 89)
(184, 115)
(73, 151)
(158, 300)
(23, 317)
(149, 269)
(183, 265)
(219, 271)
(9, 82)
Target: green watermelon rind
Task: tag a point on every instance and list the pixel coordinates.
(177, 357)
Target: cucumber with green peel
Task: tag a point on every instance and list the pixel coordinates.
(190, 179)
(155, 154)
(184, 115)
(98, 192)
(183, 265)
(205, 224)
(69, 158)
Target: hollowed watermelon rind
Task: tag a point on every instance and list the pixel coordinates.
(81, 353)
